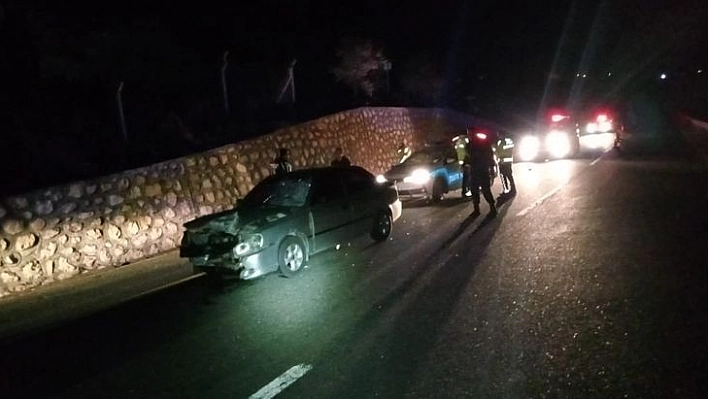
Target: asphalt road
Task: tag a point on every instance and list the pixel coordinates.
(592, 282)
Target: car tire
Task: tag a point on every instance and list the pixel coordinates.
(292, 256)
(383, 224)
(438, 191)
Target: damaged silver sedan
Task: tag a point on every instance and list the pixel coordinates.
(287, 218)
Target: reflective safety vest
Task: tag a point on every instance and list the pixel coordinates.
(403, 153)
(505, 150)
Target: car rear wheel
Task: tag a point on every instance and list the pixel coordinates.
(291, 256)
(383, 223)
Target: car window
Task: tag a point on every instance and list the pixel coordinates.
(358, 181)
(287, 190)
(421, 157)
(328, 188)
(426, 157)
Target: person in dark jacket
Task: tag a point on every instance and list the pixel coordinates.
(340, 159)
(282, 164)
(481, 161)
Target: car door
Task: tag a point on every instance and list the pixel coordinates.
(365, 199)
(330, 209)
(454, 170)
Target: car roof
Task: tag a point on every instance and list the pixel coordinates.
(315, 171)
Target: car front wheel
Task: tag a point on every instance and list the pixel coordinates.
(438, 191)
(291, 256)
(383, 224)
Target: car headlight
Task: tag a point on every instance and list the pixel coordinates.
(249, 244)
(419, 176)
(591, 127)
(528, 148)
(381, 179)
(558, 144)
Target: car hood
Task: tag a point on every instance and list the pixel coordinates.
(398, 172)
(237, 220)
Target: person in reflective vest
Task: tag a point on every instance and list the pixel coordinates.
(403, 152)
(460, 142)
(505, 154)
(282, 164)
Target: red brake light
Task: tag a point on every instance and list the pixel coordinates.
(481, 136)
(602, 118)
(557, 117)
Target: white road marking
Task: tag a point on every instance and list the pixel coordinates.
(540, 201)
(279, 384)
(596, 161)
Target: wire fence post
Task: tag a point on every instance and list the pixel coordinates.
(223, 81)
(119, 100)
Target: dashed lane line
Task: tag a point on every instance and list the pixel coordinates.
(550, 193)
(540, 200)
(283, 381)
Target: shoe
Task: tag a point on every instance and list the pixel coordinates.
(492, 210)
(476, 211)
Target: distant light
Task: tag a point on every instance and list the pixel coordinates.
(609, 73)
(577, 75)
(700, 71)
(585, 76)
(663, 76)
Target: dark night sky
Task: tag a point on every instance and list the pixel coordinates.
(511, 44)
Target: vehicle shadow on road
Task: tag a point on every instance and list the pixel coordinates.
(413, 314)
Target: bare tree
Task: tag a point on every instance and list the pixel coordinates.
(359, 65)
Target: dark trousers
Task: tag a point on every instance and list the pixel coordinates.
(507, 177)
(480, 179)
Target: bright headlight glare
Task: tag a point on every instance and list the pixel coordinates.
(380, 179)
(605, 126)
(528, 148)
(249, 244)
(419, 176)
(591, 128)
(558, 144)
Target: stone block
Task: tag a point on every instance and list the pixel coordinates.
(113, 232)
(19, 203)
(43, 207)
(153, 190)
(48, 250)
(76, 191)
(131, 228)
(7, 277)
(12, 226)
(114, 200)
(26, 241)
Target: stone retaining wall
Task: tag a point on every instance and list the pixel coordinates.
(59, 232)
